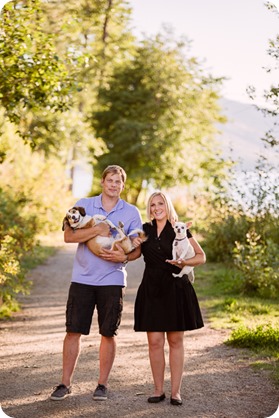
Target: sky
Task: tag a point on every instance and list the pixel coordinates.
(230, 37)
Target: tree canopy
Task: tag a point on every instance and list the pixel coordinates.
(157, 117)
(32, 75)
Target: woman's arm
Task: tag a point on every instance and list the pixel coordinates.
(199, 257)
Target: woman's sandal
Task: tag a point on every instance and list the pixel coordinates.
(156, 399)
(174, 401)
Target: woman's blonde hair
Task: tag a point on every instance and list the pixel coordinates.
(171, 212)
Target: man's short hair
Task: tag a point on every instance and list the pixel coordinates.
(115, 169)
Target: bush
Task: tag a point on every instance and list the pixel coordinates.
(262, 337)
(17, 236)
(34, 197)
(255, 260)
(221, 236)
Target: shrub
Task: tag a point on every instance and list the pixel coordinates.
(17, 236)
(262, 337)
(255, 260)
(33, 199)
(221, 236)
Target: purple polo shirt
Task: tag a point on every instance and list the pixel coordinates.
(92, 270)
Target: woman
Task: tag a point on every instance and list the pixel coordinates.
(165, 306)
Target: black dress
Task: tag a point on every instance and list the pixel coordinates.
(164, 302)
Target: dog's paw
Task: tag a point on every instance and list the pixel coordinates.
(176, 275)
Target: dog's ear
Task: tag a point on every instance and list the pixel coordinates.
(188, 224)
(81, 210)
(65, 222)
(172, 222)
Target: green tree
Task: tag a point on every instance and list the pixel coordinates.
(158, 116)
(32, 76)
(271, 95)
(96, 32)
(96, 35)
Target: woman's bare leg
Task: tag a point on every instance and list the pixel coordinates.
(156, 341)
(176, 359)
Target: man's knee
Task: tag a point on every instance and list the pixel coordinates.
(72, 336)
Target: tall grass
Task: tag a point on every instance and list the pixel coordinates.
(254, 321)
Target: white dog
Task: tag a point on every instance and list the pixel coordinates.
(182, 248)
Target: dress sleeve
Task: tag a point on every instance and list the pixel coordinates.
(189, 235)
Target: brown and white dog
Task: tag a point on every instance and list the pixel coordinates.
(76, 218)
(182, 248)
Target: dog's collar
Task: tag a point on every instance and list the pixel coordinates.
(177, 239)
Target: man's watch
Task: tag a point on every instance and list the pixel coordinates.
(126, 261)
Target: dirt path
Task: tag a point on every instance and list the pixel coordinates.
(218, 381)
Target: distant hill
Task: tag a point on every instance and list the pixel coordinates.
(240, 137)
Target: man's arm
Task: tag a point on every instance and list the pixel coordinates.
(136, 253)
(82, 235)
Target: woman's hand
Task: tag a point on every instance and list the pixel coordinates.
(137, 241)
(178, 263)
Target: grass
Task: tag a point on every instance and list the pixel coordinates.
(219, 290)
(254, 321)
(269, 364)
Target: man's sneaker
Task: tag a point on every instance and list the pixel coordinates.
(61, 392)
(101, 393)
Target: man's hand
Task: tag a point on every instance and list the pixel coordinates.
(116, 256)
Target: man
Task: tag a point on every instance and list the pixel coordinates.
(97, 281)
